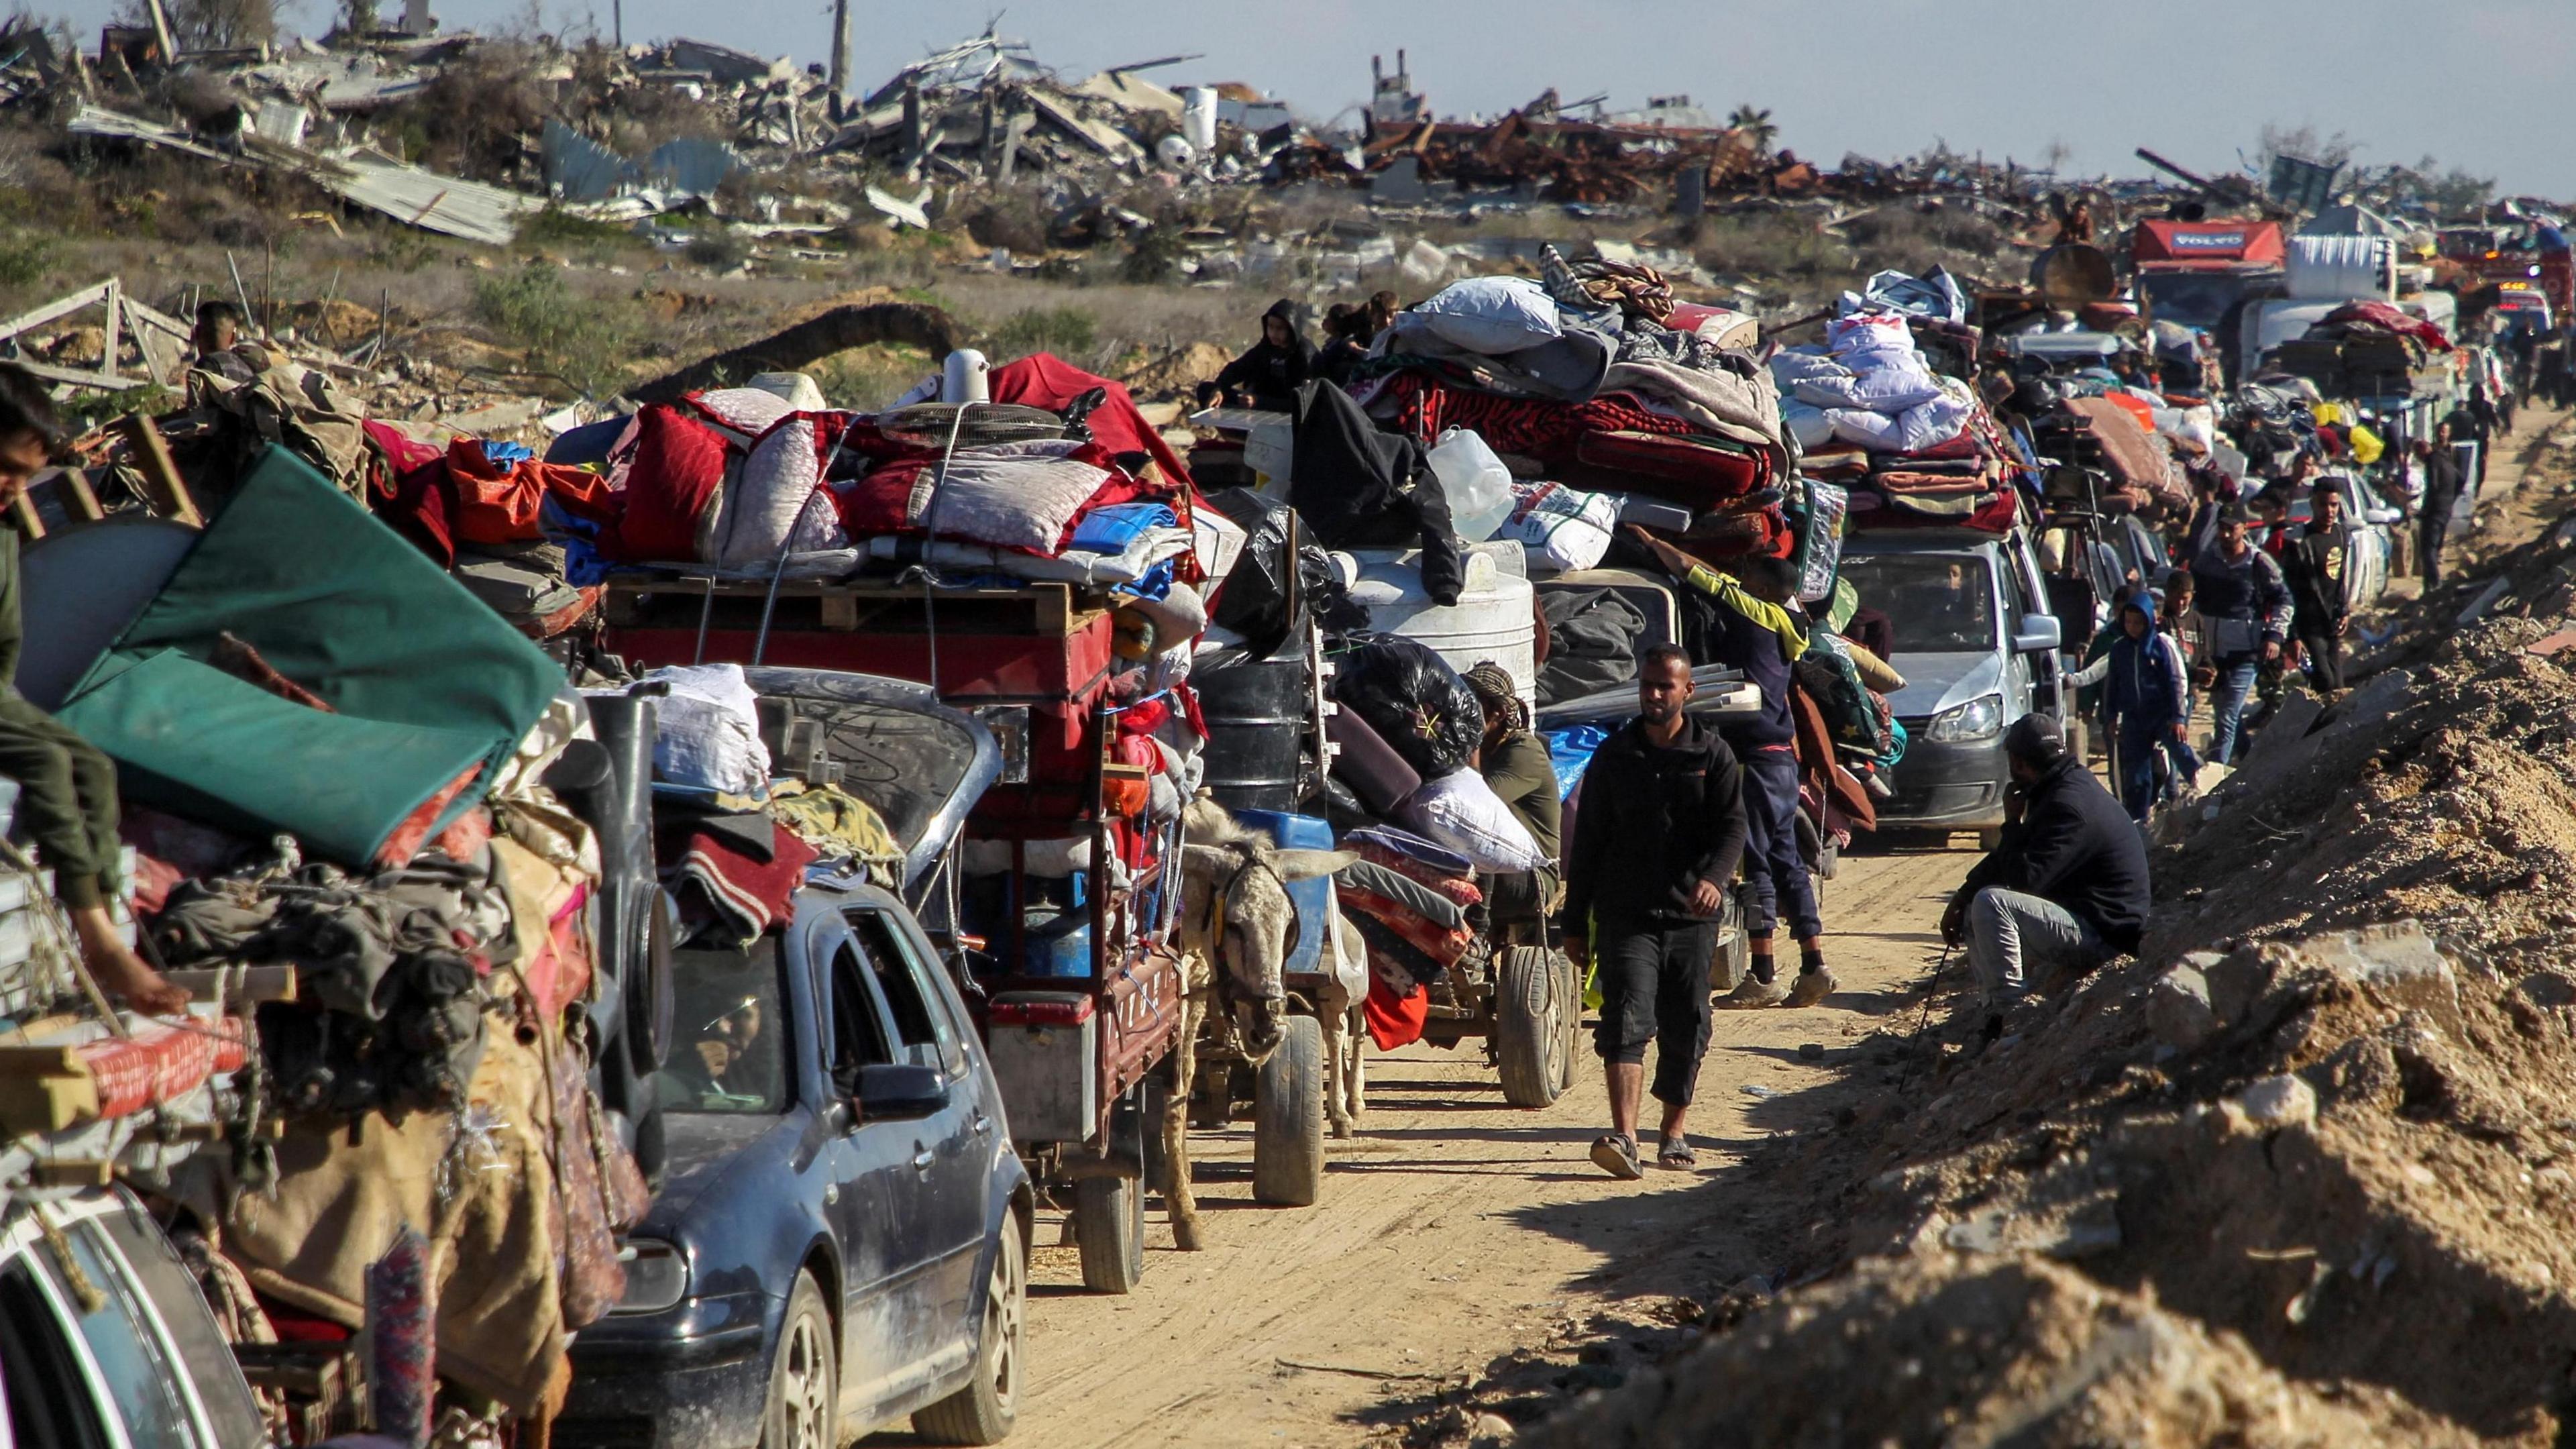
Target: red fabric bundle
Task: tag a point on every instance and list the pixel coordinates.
(160, 1062)
(678, 463)
(1393, 1020)
(1042, 380)
(498, 504)
(1699, 472)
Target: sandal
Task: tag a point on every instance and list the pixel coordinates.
(1676, 1154)
(1617, 1156)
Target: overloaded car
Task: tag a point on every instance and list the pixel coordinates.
(105, 1339)
(843, 1236)
(1978, 649)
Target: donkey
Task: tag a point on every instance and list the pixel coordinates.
(1237, 924)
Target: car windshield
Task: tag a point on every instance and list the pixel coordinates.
(2193, 299)
(729, 1038)
(1940, 603)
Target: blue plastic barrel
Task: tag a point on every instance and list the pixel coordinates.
(1312, 897)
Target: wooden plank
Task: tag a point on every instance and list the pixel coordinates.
(46, 1103)
(73, 1174)
(59, 307)
(840, 612)
(84, 502)
(114, 329)
(168, 492)
(23, 513)
(103, 381)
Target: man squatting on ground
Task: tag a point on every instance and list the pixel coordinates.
(2066, 889)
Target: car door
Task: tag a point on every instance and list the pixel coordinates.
(859, 1204)
(944, 1195)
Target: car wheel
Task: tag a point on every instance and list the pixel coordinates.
(984, 1411)
(804, 1391)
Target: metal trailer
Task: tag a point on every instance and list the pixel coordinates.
(1080, 1057)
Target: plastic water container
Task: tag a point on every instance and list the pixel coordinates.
(1058, 947)
(1313, 897)
(1494, 617)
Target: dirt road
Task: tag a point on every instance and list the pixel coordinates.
(1453, 1229)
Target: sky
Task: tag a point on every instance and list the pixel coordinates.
(2471, 82)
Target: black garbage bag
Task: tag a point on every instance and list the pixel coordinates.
(1267, 599)
(1413, 699)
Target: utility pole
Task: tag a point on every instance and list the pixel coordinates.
(840, 57)
(617, 22)
(161, 33)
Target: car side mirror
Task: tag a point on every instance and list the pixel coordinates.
(2038, 634)
(892, 1092)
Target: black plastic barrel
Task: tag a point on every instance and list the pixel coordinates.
(1256, 713)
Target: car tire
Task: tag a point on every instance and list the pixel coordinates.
(804, 1408)
(984, 1411)
(1288, 1119)
(1109, 1227)
(1529, 1035)
(650, 994)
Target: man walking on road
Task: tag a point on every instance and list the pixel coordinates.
(2146, 698)
(1658, 832)
(2442, 483)
(2067, 888)
(1756, 633)
(2314, 567)
(2246, 608)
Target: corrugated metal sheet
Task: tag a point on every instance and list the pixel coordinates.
(426, 199)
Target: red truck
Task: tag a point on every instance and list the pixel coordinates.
(2195, 272)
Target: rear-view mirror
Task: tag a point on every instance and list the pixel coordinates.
(890, 1092)
(2038, 634)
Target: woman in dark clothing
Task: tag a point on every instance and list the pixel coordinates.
(1268, 376)
(1346, 341)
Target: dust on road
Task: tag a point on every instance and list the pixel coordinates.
(1455, 1229)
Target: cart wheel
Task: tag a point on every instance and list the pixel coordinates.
(1530, 1007)
(1288, 1119)
(1569, 985)
(1732, 959)
(1109, 1226)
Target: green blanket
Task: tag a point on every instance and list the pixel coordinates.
(425, 680)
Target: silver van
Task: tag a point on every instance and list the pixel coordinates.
(1977, 645)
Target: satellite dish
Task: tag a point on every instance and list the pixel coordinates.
(2072, 274)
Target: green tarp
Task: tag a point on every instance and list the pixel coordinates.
(425, 680)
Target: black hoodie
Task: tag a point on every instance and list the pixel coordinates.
(1269, 372)
(2074, 847)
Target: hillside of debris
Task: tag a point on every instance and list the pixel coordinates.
(2297, 1174)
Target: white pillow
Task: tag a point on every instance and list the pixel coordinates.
(1492, 315)
(1459, 810)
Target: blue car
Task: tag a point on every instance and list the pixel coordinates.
(842, 1238)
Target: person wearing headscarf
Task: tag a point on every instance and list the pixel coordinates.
(1268, 376)
(1515, 765)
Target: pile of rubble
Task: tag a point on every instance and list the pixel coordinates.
(2295, 1175)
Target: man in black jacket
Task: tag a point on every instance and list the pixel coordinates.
(2067, 888)
(2315, 565)
(2442, 484)
(1658, 832)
